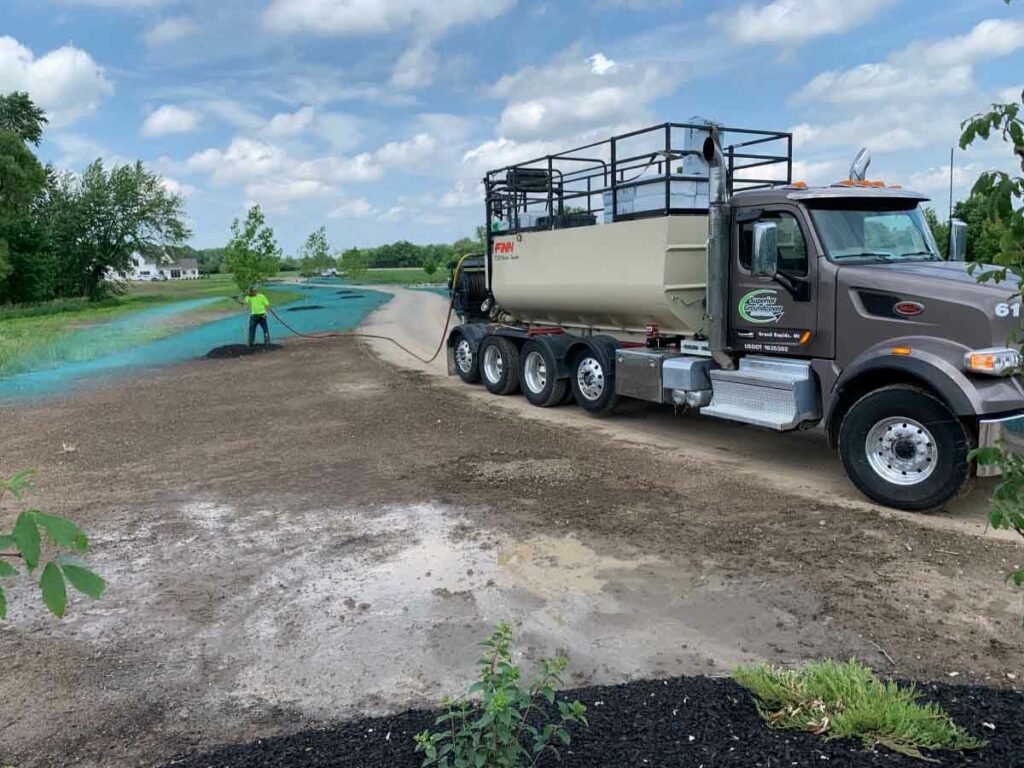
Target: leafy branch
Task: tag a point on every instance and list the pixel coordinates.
(25, 544)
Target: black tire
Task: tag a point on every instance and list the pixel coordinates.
(537, 376)
(467, 369)
(599, 397)
(912, 435)
(499, 365)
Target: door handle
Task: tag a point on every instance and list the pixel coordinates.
(745, 334)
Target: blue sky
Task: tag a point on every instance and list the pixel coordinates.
(378, 117)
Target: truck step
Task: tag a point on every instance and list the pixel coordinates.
(768, 392)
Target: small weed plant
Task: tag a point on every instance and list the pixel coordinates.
(24, 546)
(1007, 504)
(499, 723)
(846, 701)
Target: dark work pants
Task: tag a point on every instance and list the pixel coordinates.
(258, 321)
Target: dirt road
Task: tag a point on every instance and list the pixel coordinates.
(305, 535)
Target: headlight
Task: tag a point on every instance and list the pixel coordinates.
(995, 361)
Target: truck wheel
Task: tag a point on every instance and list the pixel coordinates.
(593, 387)
(499, 365)
(538, 380)
(465, 361)
(905, 449)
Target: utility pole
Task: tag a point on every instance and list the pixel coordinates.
(951, 186)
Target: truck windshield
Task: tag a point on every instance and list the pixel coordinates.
(857, 235)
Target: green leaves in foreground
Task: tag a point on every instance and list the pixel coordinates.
(1007, 504)
(501, 724)
(26, 540)
(846, 701)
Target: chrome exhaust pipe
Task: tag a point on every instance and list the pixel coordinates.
(716, 306)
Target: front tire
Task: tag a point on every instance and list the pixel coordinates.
(904, 448)
(499, 365)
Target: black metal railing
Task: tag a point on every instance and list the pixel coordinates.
(654, 171)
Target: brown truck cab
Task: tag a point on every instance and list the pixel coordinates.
(670, 266)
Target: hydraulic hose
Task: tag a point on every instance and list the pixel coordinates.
(361, 335)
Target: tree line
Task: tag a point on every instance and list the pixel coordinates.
(62, 234)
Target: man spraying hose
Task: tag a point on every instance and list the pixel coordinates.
(258, 305)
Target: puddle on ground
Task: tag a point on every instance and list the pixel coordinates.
(333, 611)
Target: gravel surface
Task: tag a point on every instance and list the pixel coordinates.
(681, 722)
(297, 539)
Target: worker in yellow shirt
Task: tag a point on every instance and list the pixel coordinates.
(258, 306)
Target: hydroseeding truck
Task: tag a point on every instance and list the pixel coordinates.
(682, 264)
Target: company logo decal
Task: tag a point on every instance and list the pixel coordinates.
(762, 306)
(504, 246)
(908, 308)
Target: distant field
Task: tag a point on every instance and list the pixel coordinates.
(41, 330)
(402, 276)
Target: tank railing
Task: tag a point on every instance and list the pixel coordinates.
(605, 177)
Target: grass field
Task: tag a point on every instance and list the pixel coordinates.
(40, 334)
(401, 276)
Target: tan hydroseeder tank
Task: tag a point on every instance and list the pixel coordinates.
(612, 278)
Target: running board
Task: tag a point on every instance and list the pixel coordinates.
(768, 392)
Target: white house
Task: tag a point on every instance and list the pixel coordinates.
(143, 270)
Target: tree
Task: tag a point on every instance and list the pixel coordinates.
(1001, 195)
(22, 118)
(22, 180)
(316, 254)
(252, 255)
(98, 221)
(430, 268)
(354, 263)
(940, 230)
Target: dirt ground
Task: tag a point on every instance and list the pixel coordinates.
(307, 535)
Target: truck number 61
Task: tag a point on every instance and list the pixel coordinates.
(1005, 310)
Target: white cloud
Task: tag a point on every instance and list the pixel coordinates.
(357, 208)
(416, 67)
(175, 187)
(937, 179)
(413, 153)
(920, 72)
(291, 123)
(573, 94)
(234, 112)
(244, 160)
(170, 119)
(171, 30)
(127, 4)
(277, 194)
(791, 22)
(1008, 95)
(375, 17)
(66, 82)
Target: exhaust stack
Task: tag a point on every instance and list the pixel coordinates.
(717, 303)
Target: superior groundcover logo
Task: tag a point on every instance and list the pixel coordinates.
(761, 306)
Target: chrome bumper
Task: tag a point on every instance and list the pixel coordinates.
(1007, 433)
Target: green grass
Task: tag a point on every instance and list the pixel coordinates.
(33, 336)
(401, 276)
(846, 701)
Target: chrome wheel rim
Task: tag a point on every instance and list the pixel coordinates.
(535, 372)
(464, 356)
(901, 451)
(494, 366)
(590, 378)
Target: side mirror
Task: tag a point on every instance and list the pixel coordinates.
(957, 240)
(765, 262)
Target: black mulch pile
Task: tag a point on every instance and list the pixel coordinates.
(351, 296)
(239, 350)
(305, 308)
(343, 291)
(682, 723)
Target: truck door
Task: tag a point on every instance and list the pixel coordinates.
(773, 315)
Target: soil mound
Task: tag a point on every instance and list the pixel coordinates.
(239, 350)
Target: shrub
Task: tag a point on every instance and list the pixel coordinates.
(499, 724)
(1007, 503)
(842, 701)
(26, 541)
